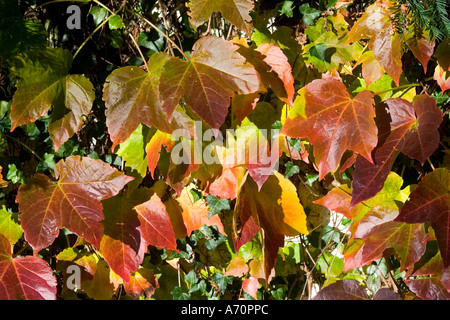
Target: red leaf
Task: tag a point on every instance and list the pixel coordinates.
(386, 294)
(123, 245)
(208, 81)
(156, 226)
(428, 288)
(334, 123)
(251, 285)
(143, 282)
(24, 278)
(73, 202)
(132, 96)
(430, 202)
(422, 50)
(347, 289)
(225, 186)
(401, 126)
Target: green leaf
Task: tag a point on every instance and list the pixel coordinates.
(291, 169)
(178, 294)
(309, 14)
(222, 281)
(115, 22)
(98, 14)
(286, 8)
(216, 205)
(14, 174)
(8, 227)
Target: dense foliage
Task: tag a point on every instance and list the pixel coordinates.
(229, 149)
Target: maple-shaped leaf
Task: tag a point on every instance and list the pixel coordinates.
(347, 289)
(73, 202)
(209, 80)
(24, 277)
(142, 283)
(430, 288)
(156, 226)
(123, 244)
(132, 97)
(333, 122)
(430, 202)
(375, 25)
(235, 11)
(275, 208)
(412, 129)
(273, 68)
(44, 84)
(373, 223)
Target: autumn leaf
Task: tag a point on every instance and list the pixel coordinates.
(401, 126)
(250, 286)
(273, 68)
(347, 289)
(73, 202)
(235, 11)
(24, 277)
(155, 224)
(132, 96)
(333, 122)
(422, 50)
(208, 81)
(142, 283)
(430, 202)
(275, 208)
(123, 244)
(44, 84)
(384, 42)
(237, 267)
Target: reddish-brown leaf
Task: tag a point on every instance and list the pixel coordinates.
(156, 226)
(422, 50)
(132, 97)
(73, 202)
(209, 80)
(428, 288)
(430, 202)
(401, 126)
(334, 123)
(226, 185)
(123, 245)
(25, 277)
(142, 283)
(250, 286)
(347, 289)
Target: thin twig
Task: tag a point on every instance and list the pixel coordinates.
(24, 145)
(139, 50)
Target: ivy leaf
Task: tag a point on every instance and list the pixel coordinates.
(430, 202)
(73, 202)
(45, 83)
(347, 289)
(24, 278)
(216, 205)
(235, 11)
(209, 80)
(333, 122)
(132, 97)
(411, 129)
(309, 14)
(275, 208)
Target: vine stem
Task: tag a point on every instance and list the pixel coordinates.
(139, 50)
(406, 86)
(24, 145)
(151, 24)
(91, 35)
